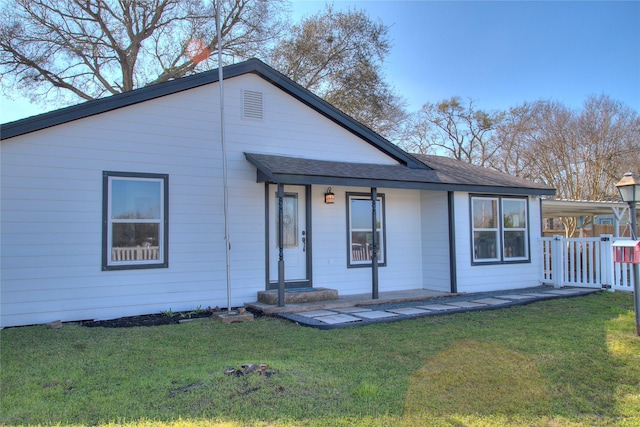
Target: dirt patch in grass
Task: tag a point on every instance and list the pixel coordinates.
(472, 377)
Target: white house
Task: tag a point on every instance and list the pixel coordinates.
(115, 207)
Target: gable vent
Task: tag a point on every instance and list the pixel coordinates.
(252, 107)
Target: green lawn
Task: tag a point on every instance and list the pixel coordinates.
(563, 362)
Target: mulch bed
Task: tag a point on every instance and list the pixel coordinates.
(147, 320)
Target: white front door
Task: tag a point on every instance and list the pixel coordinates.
(294, 233)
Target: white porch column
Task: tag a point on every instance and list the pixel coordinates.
(557, 263)
(606, 261)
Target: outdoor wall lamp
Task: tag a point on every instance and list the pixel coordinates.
(329, 197)
(629, 188)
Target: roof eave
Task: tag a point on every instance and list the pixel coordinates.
(295, 179)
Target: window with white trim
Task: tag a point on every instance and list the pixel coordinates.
(135, 220)
(360, 233)
(500, 230)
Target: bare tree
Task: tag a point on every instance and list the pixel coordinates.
(453, 129)
(93, 48)
(339, 56)
(581, 154)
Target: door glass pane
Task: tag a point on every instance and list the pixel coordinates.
(289, 220)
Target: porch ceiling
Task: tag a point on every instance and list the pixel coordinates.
(552, 208)
(439, 174)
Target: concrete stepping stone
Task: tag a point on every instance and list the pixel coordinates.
(408, 311)
(466, 304)
(436, 307)
(316, 313)
(564, 292)
(375, 314)
(515, 296)
(351, 309)
(336, 319)
(492, 301)
(539, 295)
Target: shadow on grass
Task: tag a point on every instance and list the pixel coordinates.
(582, 377)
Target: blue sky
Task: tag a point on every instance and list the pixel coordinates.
(500, 53)
(503, 53)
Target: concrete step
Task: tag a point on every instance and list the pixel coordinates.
(298, 296)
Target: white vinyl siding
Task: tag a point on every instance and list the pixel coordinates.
(52, 202)
(52, 211)
(436, 268)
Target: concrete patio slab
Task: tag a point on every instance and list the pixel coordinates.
(336, 319)
(408, 311)
(539, 295)
(375, 314)
(437, 307)
(565, 291)
(349, 313)
(316, 313)
(516, 296)
(465, 304)
(351, 309)
(492, 301)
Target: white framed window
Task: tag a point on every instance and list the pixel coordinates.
(515, 232)
(500, 230)
(135, 221)
(360, 229)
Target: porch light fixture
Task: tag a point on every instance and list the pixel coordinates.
(629, 188)
(329, 197)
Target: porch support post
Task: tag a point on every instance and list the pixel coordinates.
(557, 264)
(281, 297)
(606, 262)
(374, 244)
(617, 218)
(453, 270)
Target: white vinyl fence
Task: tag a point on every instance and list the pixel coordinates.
(584, 262)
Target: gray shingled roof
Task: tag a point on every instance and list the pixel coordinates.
(412, 171)
(441, 174)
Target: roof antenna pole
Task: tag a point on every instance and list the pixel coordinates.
(218, 5)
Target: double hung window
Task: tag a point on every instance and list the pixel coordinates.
(500, 229)
(135, 221)
(361, 230)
